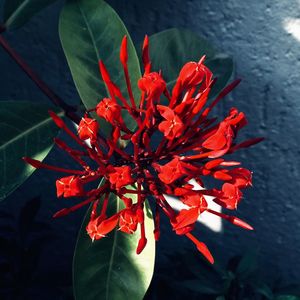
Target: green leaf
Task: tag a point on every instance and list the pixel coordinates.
(202, 287)
(287, 297)
(18, 12)
(172, 48)
(26, 129)
(109, 268)
(291, 289)
(247, 265)
(264, 290)
(222, 67)
(91, 31)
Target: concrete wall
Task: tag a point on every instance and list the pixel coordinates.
(263, 39)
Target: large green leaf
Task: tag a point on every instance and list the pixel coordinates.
(91, 31)
(25, 130)
(287, 297)
(109, 268)
(18, 12)
(172, 48)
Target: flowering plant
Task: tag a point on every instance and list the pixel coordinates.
(141, 138)
(191, 146)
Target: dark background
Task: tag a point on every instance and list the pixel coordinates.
(261, 36)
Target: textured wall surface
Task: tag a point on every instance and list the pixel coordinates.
(261, 36)
(257, 34)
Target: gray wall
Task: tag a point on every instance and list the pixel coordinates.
(267, 59)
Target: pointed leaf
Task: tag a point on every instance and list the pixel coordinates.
(17, 12)
(172, 48)
(91, 31)
(222, 67)
(202, 287)
(109, 268)
(26, 129)
(247, 265)
(287, 297)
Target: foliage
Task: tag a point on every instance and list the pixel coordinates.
(91, 30)
(25, 129)
(18, 12)
(241, 279)
(24, 240)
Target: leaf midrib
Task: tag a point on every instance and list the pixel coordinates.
(92, 38)
(26, 132)
(12, 16)
(112, 256)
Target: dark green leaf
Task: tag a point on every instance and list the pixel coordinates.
(247, 265)
(25, 130)
(287, 297)
(91, 31)
(222, 67)
(202, 287)
(18, 12)
(291, 289)
(109, 268)
(265, 290)
(172, 48)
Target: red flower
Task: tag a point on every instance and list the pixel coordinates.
(191, 75)
(152, 84)
(171, 171)
(192, 198)
(192, 146)
(98, 228)
(70, 186)
(128, 221)
(120, 176)
(186, 219)
(109, 110)
(88, 129)
(230, 196)
(173, 126)
(241, 177)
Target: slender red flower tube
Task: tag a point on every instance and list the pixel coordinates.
(174, 142)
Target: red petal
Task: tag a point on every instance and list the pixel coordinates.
(221, 175)
(61, 213)
(216, 141)
(246, 144)
(186, 217)
(213, 163)
(57, 120)
(141, 245)
(145, 54)
(33, 162)
(108, 225)
(238, 222)
(166, 112)
(123, 51)
(104, 72)
(201, 248)
(204, 250)
(232, 219)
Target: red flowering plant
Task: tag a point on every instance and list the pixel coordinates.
(192, 145)
(141, 139)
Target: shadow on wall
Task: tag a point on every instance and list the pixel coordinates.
(263, 38)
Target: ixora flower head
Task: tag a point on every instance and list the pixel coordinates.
(189, 145)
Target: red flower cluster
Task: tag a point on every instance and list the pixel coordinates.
(190, 145)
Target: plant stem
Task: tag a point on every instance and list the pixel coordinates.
(70, 111)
